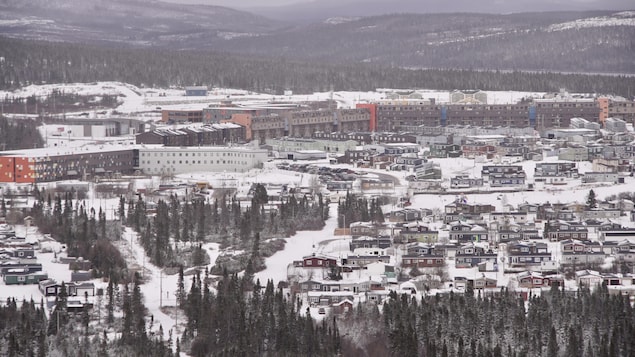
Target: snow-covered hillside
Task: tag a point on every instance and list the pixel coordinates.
(624, 18)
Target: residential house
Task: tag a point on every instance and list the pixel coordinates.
(473, 150)
(49, 287)
(596, 177)
(443, 150)
(527, 254)
(420, 249)
(20, 253)
(370, 229)
(464, 233)
(584, 258)
(359, 229)
(368, 184)
(588, 278)
(20, 277)
(601, 213)
(317, 261)
(507, 179)
(465, 181)
(459, 211)
(378, 242)
(506, 218)
(503, 175)
(15, 266)
(546, 170)
(343, 307)
(516, 233)
(469, 256)
(359, 261)
(532, 280)
(326, 298)
(528, 207)
(625, 251)
(415, 232)
(428, 171)
(599, 226)
(561, 230)
(406, 215)
(422, 255)
(576, 153)
(483, 282)
(407, 163)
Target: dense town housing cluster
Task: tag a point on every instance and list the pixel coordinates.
(412, 195)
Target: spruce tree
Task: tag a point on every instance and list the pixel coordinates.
(591, 200)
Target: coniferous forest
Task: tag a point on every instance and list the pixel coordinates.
(242, 318)
(22, 134)
(33, 62)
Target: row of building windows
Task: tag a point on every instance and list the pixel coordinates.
(194, 162)
(204, 154)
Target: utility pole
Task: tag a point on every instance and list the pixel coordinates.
(161, 288)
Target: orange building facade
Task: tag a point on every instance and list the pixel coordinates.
(17, 169)
(372, 108)
(603, 104)
(244, 120)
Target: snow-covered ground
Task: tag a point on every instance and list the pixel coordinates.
(624, 18)
(302, 244)
(147, 102)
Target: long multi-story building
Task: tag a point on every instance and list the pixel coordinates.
(537, 113)
(52, 164)
(47, 165)
(303, 123)
(205, 135)
(161, 160)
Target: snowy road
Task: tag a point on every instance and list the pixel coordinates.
(300, 245)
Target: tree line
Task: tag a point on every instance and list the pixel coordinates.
(85, 232)
(173, 236)
(243, 318)
(555, 323)
(358, 209)
(22, 134)
(35, 62)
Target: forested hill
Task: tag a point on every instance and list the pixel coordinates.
(133, 22)
(566, 41)
(32, 62)
(587, 42)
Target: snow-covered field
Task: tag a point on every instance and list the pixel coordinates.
(624, 18)
(145, 101)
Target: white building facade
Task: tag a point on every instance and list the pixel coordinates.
(159, 160)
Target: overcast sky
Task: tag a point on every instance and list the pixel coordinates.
(265, 3)
(239, 3)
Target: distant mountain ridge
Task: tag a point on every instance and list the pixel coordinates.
(319, 10)
(134, 22)
(597, 41)
(587, 42)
